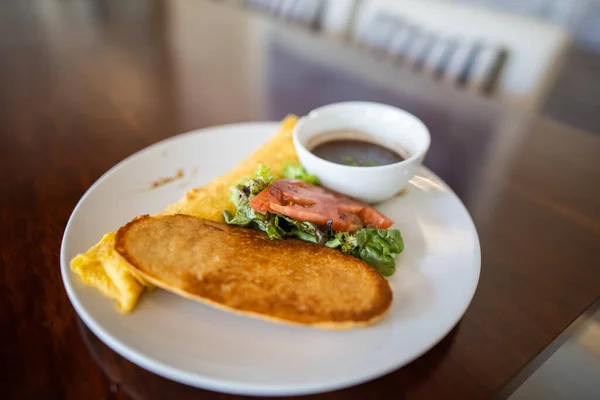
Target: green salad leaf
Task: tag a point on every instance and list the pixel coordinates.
(343, 241)
(301, 229)
(377, 247)
(297, 171)
(277, 226)
(250, 187)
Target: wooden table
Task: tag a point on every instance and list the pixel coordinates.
(84, 84)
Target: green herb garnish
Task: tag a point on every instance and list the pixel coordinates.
(350, 161)
(353, 162)
(297, 171)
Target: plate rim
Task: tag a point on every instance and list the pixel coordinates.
(223, 385)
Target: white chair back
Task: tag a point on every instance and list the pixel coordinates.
(304, 11)
(531, 52)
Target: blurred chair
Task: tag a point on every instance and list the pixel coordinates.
(513, 58)
(302, 11)
(337, 16)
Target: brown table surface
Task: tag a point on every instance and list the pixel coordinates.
(84, 84)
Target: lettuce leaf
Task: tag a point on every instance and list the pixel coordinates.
(250, 187)
(343, 241)
(297, 171)
(301, 229)
(376, 247)
(276, 226)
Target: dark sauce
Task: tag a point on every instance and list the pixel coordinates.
(356, 153)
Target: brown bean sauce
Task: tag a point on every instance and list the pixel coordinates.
(358, 153)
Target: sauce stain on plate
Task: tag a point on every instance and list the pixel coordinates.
(163, 181)
(191, 176)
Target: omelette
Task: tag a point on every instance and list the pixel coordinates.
(101, 267)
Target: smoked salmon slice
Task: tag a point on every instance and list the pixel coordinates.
(303, 201)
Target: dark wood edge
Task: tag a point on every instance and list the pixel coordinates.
(524, 374)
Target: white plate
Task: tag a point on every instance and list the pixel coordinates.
(197, 345)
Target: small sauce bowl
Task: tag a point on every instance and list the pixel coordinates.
(382, 124)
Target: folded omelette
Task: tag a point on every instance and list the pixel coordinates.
(102, 268)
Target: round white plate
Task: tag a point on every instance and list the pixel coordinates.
(200, 346)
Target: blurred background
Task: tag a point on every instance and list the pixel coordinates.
(138, 71)
(541, 55)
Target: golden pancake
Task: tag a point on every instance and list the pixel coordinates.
(242, 270)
